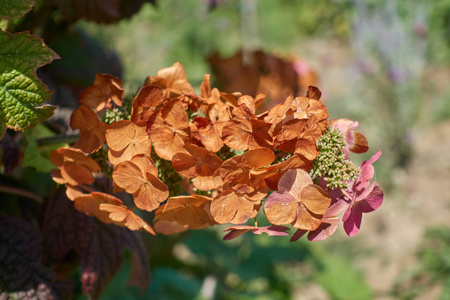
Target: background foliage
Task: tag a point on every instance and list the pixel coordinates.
(396, 93)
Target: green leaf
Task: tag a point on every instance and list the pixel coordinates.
(15, 8)
(33, 157)
(20, 90)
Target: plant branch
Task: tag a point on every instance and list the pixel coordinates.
(20, 192)
(58, 139)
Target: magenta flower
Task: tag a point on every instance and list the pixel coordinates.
(364, 197)
(354, 140)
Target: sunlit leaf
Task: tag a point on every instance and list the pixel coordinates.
(21, 91)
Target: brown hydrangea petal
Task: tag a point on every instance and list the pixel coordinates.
(125, 140)
(306, 219)
(210, 133)
(75, 167)
(92, 131)
(281, 208)
(360, 144)
(199, 163)
(274, 172)
(148, 99)
(250, 102)
(75, 174)
(72, 192)
(168, 227)
(231, 98)
(190, 211)
(313, 93)
(305, 108)
(63, 155)
(151, 194)
(106, 88)
(56, 176)
(169, 129)
(147, 189)
(300, 136)
(123, 216)
(258, 158)
(145, 163)
(90, 205)
(173, 79)
(128, 176)
(230, 207)
(278, 112)
(315, 199)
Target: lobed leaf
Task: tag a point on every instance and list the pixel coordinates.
(21, 92)
(22, 275)
(15, 8)
(100, 246)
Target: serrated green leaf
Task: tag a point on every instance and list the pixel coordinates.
(21, 92)
(15, 8)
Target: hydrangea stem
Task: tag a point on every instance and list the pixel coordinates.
(20, 192)
(58, 139)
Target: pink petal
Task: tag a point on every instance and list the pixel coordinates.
(298, 234)
(272, 230)
(293, 181)
(346, 127)
(236, 231)
(337, 206)
(373, 159)
(373, 200)
(366, 173)
(326, 229)
(352, 220)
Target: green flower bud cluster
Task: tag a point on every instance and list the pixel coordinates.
(168, 175)
(201, 193)
(115, 115)
(226, 153)
(331, 162)
(101, 158)
(281, 156)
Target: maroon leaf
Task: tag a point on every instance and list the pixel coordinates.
(22, 275)
(99, 246)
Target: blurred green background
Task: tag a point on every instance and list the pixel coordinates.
(385, 64)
